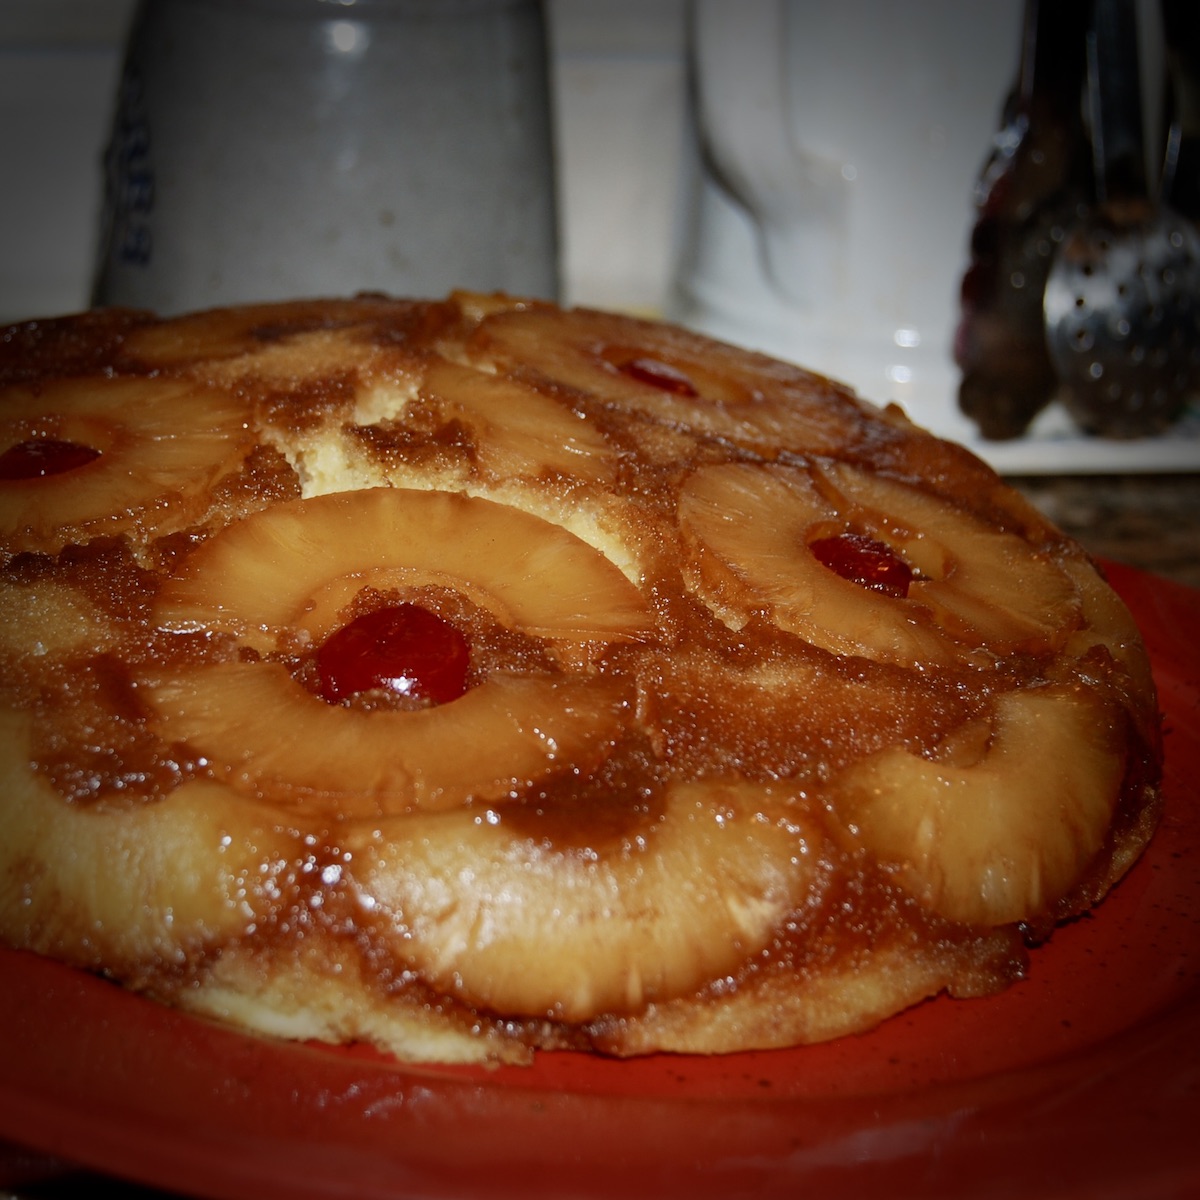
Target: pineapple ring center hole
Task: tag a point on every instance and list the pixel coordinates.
(673, 376)
(51, 445)
(864, 560)
(39, 458)
(411, 650)
(402, 649)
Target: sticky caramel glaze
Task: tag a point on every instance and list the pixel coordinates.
(799, 719)
(442, 447)
(66, 346)
(618, 805)
(203, 342)
(90, 736)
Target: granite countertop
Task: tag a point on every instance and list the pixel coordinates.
(1147, 521)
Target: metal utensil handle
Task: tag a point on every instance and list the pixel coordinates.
(1115, 102)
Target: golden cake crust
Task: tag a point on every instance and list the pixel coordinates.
(774, 714)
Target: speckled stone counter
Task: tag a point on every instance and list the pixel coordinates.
(1146, 521)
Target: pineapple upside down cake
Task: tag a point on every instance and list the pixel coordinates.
(474, 677)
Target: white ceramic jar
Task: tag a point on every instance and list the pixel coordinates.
(270, 149)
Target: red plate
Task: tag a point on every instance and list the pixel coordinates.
(1083, 1081)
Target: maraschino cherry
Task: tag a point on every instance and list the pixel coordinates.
(864, 560)
(661, 375)
(38, 457)
(404, 649)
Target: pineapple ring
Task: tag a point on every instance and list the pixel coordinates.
(747, 529)
(508, 921)
(519, 431)
(279, 573)
(746, 399)
(261, 732)
(1108, 623)
(1001, 826)
(982, 584)
(147, 881)
(164, 445)
(256, 579)
(243, 339)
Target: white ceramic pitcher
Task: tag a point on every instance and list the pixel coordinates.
(832, 211)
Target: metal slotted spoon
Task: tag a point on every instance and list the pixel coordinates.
(1122, 299)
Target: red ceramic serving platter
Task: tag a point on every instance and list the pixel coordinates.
(1083, 1081)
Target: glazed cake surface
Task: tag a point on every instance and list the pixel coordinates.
(472, 677)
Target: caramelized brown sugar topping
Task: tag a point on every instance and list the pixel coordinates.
(474, 675)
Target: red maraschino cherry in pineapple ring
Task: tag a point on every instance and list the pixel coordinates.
(405, 649)
(660, 375)
(863, 560)
(39, 457)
